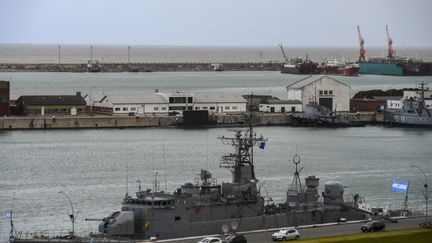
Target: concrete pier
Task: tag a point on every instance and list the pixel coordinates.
(139, 67)
(99, 121)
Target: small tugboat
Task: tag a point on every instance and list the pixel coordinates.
(413, 113)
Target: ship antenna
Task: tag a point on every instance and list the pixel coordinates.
(127, 182)
(163, 147)
(251, 132)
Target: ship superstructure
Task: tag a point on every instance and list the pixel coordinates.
(413, 113)
(206, 207)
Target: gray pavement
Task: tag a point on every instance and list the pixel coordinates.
(320, 231)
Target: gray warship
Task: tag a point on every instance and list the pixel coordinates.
(413, 113)
(206, 207)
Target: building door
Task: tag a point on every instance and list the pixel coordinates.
(326, 102)
(272, 109)
(293, 109)
(283, 109)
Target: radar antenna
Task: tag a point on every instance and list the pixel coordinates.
(296, 184)
(243, 142)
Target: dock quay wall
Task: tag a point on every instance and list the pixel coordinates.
(74, 122)
(137, 67)
(78, 122)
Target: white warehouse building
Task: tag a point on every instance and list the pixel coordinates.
(164, 103)
(324, 90)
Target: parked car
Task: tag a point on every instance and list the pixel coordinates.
(286, 234)
(235, 239)
(374, 225)
(210, 240)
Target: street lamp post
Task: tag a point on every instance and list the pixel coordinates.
(91, 99)
(72, 215)
(59, 47)
(426, 192)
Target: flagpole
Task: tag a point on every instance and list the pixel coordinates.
(406, 198)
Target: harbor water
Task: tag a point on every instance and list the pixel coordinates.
(92, 166)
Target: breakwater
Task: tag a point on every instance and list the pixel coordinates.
(78, 122)
(139, 67)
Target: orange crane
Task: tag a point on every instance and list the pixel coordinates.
(390, 51)
(362, 56)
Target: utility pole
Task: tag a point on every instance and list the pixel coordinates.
(129, 49)
(426, 192)
(91, 54)
(59, 47)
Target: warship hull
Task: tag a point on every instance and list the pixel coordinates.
(197, 221)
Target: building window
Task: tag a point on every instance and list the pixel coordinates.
(325, 92)
(227, 107)
(180, 100)
(197, 108)
(125, 109)
(163, 108)
(212, 108)
(117, 109)
(156, 108)
(320, 92)
(133, 108)
(234, 107)
(330, 92)
(205, 107)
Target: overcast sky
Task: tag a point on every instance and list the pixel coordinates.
(216, 22)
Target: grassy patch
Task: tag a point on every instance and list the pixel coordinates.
(416, 235)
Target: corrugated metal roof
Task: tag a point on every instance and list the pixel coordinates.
(387, 97)
(281, 102)
(218, 98)
(51, 100)
(137, 99)
(310, 79)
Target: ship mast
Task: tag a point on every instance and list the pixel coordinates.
(362, 56)
(241, 162)
(390, 51)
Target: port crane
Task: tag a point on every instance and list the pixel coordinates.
(283, 52)
(390, 51)
(362, 56)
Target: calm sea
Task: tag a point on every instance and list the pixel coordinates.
(90, 165)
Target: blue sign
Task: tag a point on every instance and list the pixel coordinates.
(400, 186)
(262, 145)
(8, 215)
